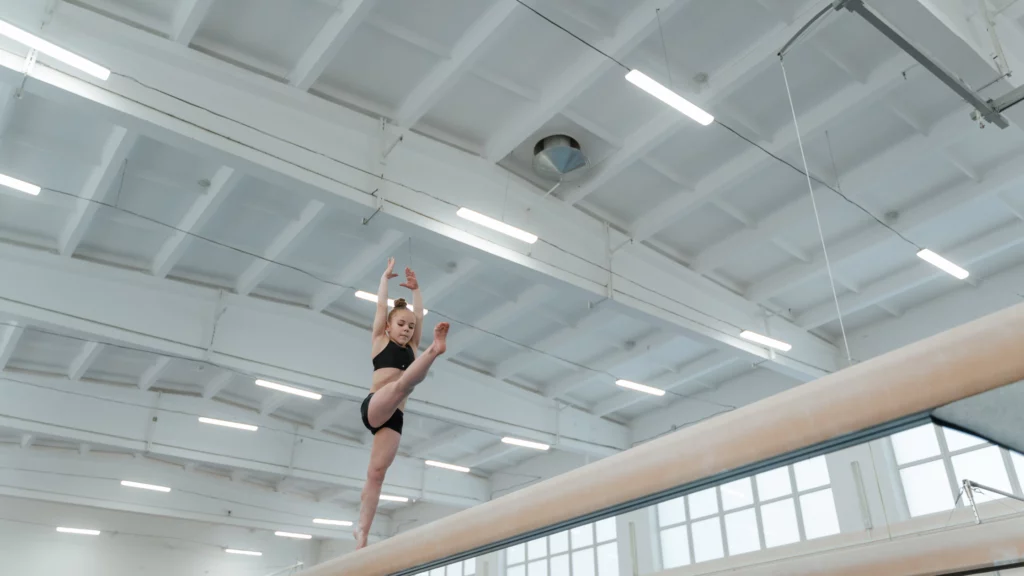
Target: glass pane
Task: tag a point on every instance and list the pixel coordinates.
(741, 532)
(819, 512)
(455, 569)
(984, 466)
(560, 565)
(773, 484)
(583, 562)
(608, 559)
(927, 488)
(811, 473)
(956, 440)
(582, 536)
(675, 549)
(538, 568)
(707, 540)
(605, 530)
(469, 567)
(915, 444)
(537, 548)
(1018, 463)
(672, 512)
(559, 542)
(703, 503)
(779, 522)
(737, 494)
(437, 571)
(515, 554)
(519, 570)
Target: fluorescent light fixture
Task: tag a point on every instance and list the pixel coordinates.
(770, 342)
(52, 50)
(142, 486)
(656, 89)
(82, 531)
(288, 389)
(293, 535)
(640, 388)
(496, 225)
(524, 443)
(943, 264)
(454, 467)
(227, 424)
(19, 185)
(331, 522)
(373, 298)
(388, 498)
(243, 552)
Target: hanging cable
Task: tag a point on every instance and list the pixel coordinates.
(817, 216)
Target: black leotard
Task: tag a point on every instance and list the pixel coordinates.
(394, 356)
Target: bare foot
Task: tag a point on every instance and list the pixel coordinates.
(440, 334)
(360, 537)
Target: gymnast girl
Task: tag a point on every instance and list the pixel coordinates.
(396, 372)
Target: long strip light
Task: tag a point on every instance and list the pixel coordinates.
(293, 535)
(362, 295)
(328, 522)
(289, 389)
(496, 225)
(389, 498)
(19, 185)
(80, 531)
(227, 424)
(32, 41)
(446, 466)
(640, 387)
(524, 443)
(762, 339)
(243, 552)
(943, 264)
(659, 91)
(141, 486)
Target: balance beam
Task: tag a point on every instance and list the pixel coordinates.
(909, 382)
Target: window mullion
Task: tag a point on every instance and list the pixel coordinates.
(757, 513)
(721, 522)
(947, 461)
(796, 504)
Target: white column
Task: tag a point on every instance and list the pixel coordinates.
(644, 543)
(866, 487)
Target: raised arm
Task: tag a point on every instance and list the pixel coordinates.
(380, 318)
(417, 306)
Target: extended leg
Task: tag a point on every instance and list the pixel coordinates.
(386, 400)
(382, 454)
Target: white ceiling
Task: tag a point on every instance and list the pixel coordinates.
(230, 158)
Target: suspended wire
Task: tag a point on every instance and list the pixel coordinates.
(573, 34)
(817, 216)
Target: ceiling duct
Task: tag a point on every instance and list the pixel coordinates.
(559, 157)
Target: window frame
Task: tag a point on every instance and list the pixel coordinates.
(568, 553)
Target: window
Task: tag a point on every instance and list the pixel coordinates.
(464, 568)
(589, 550)
(934, 461)
(770, 509)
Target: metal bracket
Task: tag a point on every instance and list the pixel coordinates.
(380, 204)
(970, 485)
(30, 62)
(986, 110)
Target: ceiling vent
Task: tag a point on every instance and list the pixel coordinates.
(559, 158)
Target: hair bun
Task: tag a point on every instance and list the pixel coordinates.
(401, 303)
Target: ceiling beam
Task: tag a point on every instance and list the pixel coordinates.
(269, 339)
(607, 362)
(154, 372)
(217, 384)
(187, 19)
(492, 452)
(328, 42)
(96, 191)
(586, 70)
(511, 366)
(123, 418)
(373, 256)
(80, 365)
(427, 179)
(284, 244)
(497, 318)
(995, 180)
(915, 275)
(199, 213)
(812, 124)
(451, 437)
(467, 51)
(730, 77)
(12, 333)
(8, 107)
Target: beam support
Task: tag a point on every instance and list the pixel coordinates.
(81, 364)
(188, 18)
(374, 256)
(11, 335)
(284, 243)
(328, 42)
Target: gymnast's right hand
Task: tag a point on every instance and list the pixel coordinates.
(389, 273)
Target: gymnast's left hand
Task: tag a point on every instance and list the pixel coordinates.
(410, 280)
